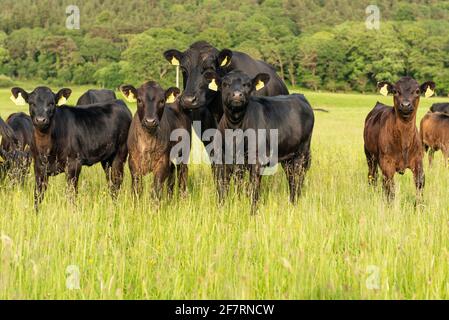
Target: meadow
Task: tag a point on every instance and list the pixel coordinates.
(341, 241)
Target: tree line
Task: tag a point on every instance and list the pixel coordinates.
(312, 43)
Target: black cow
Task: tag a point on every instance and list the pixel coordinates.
(96, 96)
(16, 150)
(292, 117)
(440, 107)
(201, 57)
(67, 138)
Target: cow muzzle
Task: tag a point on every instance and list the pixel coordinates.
(41, 122)
(150, 124)
(406, 109)
(189, 102)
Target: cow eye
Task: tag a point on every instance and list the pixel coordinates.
(225, 85)
(162, 101)
(418, 91)
(139, 101)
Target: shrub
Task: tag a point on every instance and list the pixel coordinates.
(5, 82)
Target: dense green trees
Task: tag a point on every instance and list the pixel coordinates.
(312, 43)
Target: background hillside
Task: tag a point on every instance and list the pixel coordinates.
(313, 44)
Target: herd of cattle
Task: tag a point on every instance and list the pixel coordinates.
(222, 90)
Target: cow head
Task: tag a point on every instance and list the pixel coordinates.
(406, 95)
(42, 104)
(236, 87)
(151, 100)
(195, 63)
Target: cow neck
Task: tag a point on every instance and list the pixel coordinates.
(234, 116)
(43, 140)
(153, 140)
(405, 130)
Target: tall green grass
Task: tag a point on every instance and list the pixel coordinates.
(329, 246)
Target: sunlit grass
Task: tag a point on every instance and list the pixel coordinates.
(191, 248)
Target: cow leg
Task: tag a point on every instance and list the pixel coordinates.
(372, 168)
(302, 165)
(183, 173)
(289, 172)
(445, 156)
(114, 170)
(161, 174)
(171, 179)
(419, 177)
(72, 174)
(136, 178)
(388, 171)
(24, 169)
(222, 173)
(41, 183)
(431, 155)
(255, 180)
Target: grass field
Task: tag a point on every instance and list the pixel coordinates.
(341, 241)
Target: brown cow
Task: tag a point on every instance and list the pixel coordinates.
(391, 137)
(149, 141)
(435, 134)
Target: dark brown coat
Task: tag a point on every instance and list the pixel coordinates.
(149, 142)
(391, 138)
(435, 134)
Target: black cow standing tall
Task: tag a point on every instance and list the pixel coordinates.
(96, 96)
(201, 57)
(67, 138)
(291, 116)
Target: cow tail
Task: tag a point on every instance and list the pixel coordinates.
(320, 110)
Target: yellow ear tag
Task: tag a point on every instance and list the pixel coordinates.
(260, 85)
(130, 97)
(429, 92)
(384, 90)
(171, 98)
(19, 101)
(213, 85)
(62, 101)
(174, 61)
(225, 62)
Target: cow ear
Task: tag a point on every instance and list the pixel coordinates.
(172, 94)
(260, 81)
(62, 96)
(385, 88)
(19, 96)
(224, 58)
(129, 92)
(173, 56)
(428, 88)
(213, 79)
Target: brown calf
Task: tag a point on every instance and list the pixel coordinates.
(149, 143)
(391, 137)
(435, 134)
